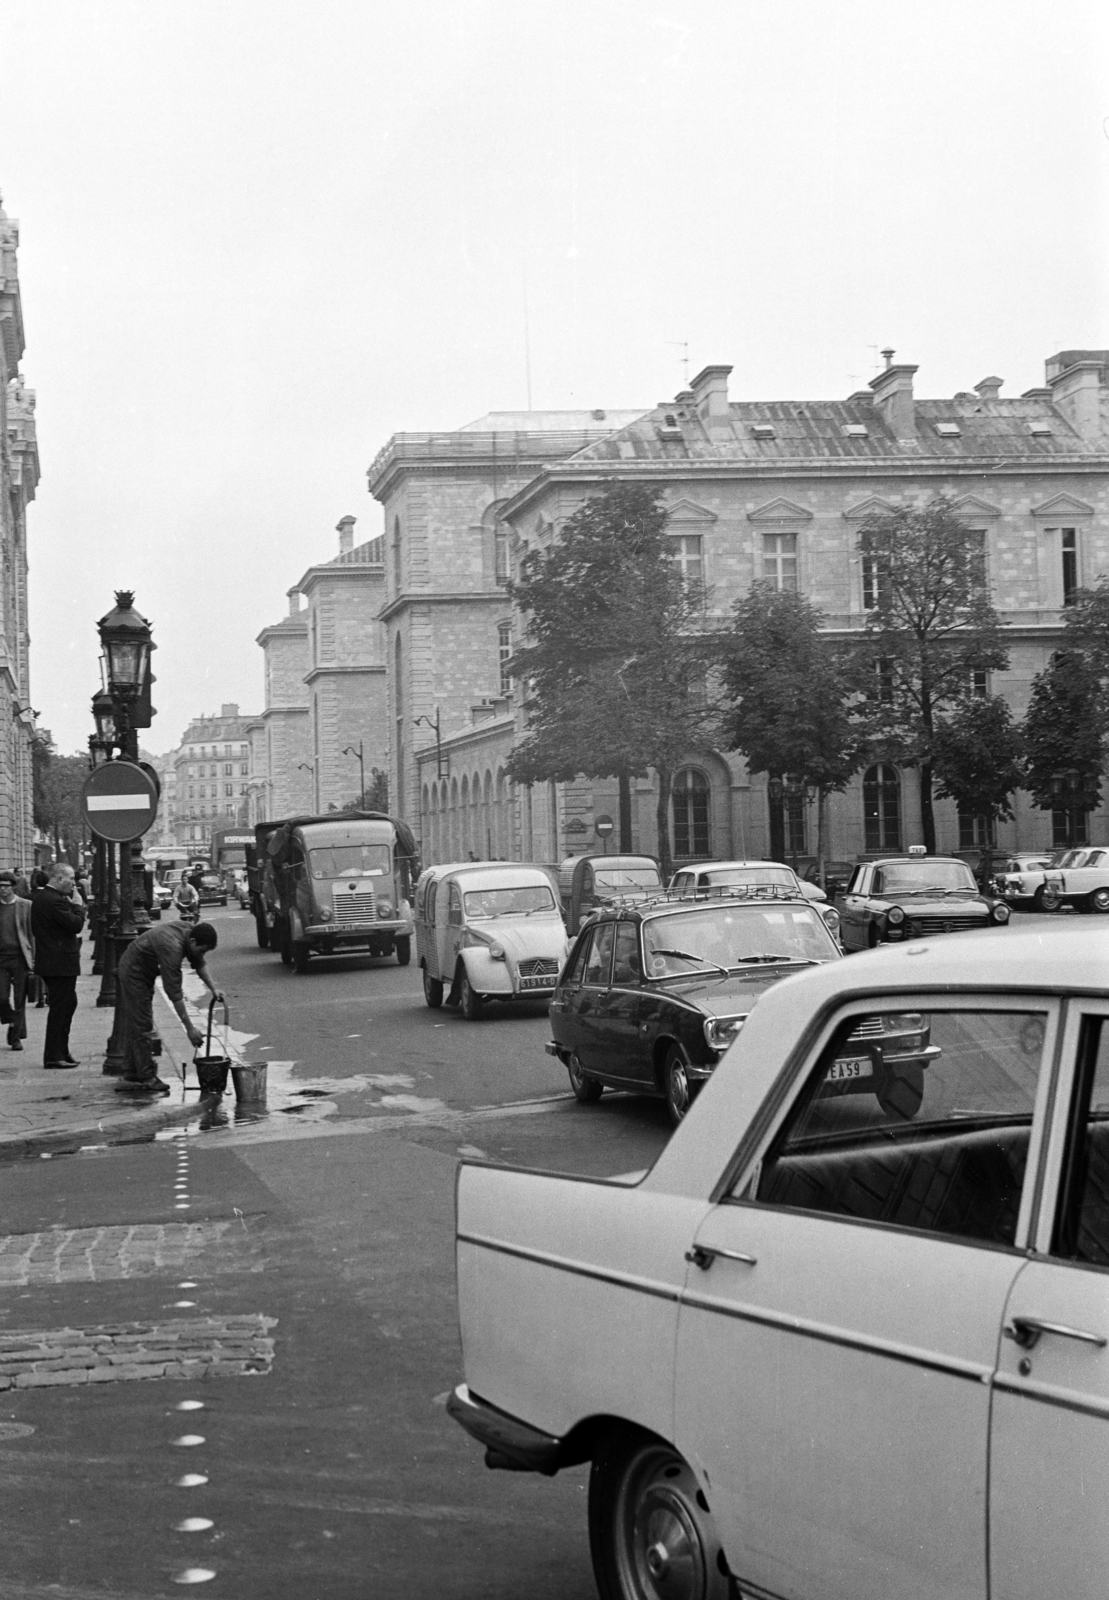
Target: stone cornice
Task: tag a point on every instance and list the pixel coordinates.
(288, 628)
(419, 597)
(360, 570)
(284, 711)
(342, 672)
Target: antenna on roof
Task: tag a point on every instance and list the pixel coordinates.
(683, 346)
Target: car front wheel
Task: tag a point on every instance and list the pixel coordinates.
(433, 990)
(1046, 899)
(676, 1085)
(586, 1089)
(651, 1531)
(1099, 900)
(403, 947)
(470, 1001)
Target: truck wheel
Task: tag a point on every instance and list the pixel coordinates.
(586, 1089)
(261, 931)
(301, 954)
(472, 1008)
(651, 1531)
(285, 944)
(403, 947)
(433, 990)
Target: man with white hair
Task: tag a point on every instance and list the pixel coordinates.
(57, 917)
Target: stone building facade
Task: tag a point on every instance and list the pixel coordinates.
(213, 776)
(19, 475)
(776, 491)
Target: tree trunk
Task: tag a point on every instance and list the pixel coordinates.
(776, 815)
(821, 834)
(927, 816)
(662, 819)
(626, 846)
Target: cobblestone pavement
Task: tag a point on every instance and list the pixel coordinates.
(200, 1347)
(100, 1255)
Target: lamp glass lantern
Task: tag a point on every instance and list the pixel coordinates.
(103, 712)
(125, 636)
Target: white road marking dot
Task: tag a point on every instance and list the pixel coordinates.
(187, 1440)
(189, 1405)
(354, 1036)
(187, 1283)
(193, 1525)
(194, 1575)
(191, 1480)
(179, 1305)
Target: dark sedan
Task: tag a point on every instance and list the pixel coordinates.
(652, 996)
(913, 897)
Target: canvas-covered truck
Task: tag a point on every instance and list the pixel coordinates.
(339, 883)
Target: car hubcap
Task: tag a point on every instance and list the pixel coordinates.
(679, 1089)
(671, 1551)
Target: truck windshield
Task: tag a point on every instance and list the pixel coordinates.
(508, 902)
(352, 861)
(627, 877)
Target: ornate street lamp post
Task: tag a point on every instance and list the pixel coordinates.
(101, 744)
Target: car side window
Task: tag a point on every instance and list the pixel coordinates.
(1082, 1230)
(598, 963)
(454, 906)
(626, 966)
(576, 971)
(916, 1120)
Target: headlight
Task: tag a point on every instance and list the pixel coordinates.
(895, 916)
(1000, 913)
(831, 918)
(902, 1021)
(496, 951)
(720, 1031)
(325, 914)
(384, 909)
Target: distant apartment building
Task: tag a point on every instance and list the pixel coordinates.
(19, 476)
(213, 776)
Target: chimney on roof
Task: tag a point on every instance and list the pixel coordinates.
(710, 394)
(989, 388)
(229, 709)
(1076, 379)
(893, 398)
(294, 602)
(345, 529)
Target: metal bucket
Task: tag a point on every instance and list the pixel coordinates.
(250, 1083)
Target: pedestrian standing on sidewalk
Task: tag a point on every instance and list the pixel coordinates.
(57, 917)
(160, 952)
(17, 957)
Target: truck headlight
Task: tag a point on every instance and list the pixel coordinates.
(720, 1031)
(325, 914)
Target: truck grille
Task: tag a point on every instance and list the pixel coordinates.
(351, 908)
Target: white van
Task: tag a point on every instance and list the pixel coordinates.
(487, 930)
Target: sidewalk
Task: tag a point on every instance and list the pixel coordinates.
(46, 1111)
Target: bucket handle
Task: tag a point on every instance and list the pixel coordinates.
(226, 1023)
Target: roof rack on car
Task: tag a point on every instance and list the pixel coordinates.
(720, 891)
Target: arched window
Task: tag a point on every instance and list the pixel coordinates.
(882, 808)
(691, 813)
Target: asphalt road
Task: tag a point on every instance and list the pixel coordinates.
(336, 1473)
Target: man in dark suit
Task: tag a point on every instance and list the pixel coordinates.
(57, 917)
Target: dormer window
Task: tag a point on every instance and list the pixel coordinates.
(1040, 428)
(856, 430)
(668, 427)
(762, 430)
(948, 430)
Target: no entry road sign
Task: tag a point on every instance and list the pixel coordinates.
(119, 801)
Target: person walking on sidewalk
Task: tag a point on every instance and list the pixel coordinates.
(17, 957)
(57, 917)
(160, 952)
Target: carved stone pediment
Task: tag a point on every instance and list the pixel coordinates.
(971, 505)
(689, 511)
(872, 506)
(1063, 505)
(780, 510)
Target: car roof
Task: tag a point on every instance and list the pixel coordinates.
(718, 866)
(492, 874)
(889, 861)
(720, 895)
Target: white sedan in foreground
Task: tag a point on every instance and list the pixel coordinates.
(826, 1350)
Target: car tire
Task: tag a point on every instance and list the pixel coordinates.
(586, 1089)
(403, 947)
(1099, 900)
(433, 990)
(301, 955)
(651, 1531)
(470, 1001)
(872, 937)
(1046, 899)
(285, 944)
(262, 933)
(901, 1091)
(676, 1086)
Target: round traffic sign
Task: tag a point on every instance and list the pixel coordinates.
(603, 825)
(119, 801)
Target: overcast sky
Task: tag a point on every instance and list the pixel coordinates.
(260, 236)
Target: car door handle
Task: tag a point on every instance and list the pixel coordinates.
(703, 1256)
(1025, 1331)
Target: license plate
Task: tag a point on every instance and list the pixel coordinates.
(849, 1069)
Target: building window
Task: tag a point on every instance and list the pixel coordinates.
(227, 769)
(686, 554)
(691, 813)
(779, 560)
(500, 551)
(882, 808)
(1069, 827)
(229, 788)
(794, 812)
(504, 655)
(979, 683)
(244, 768)
(1069, 539)
(976, 561)
(883, 680)
(976, 833)
(228, 750)
(873, 582)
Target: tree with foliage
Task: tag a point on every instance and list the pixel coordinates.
(1064, 737)
(795, 695)
(978, 762)
(615, 658)
(930, 629)
(375, 796)
(58, 782)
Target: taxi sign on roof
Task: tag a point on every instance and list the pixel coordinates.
(119, 801)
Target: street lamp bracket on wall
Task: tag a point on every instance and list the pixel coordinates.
(435, 727)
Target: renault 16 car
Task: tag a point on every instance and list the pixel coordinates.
(487, 930)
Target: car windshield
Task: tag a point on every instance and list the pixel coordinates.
(725, 875)
(626, 878)
(731, 935)
(532, 897)
(351, 861)
(915, 877)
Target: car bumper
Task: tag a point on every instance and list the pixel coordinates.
(510, 1444)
